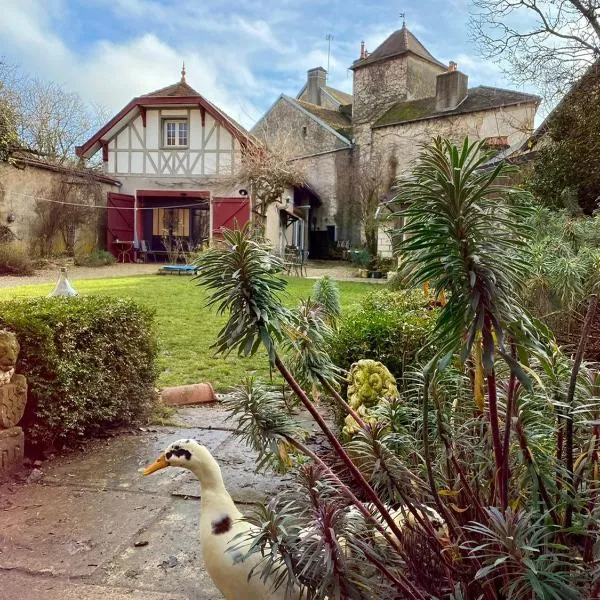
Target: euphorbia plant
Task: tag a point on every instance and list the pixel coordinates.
(481, 451)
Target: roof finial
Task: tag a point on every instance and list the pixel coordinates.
(403, 17)
(183, 73)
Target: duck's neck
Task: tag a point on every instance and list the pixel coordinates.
(213, 489)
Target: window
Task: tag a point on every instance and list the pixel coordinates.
(304, 131)
(176, 133)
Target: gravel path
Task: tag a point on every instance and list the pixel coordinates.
(75, 273)
(315, 269)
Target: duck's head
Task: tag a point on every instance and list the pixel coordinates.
(182, 453)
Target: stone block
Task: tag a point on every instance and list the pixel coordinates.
(12, 444)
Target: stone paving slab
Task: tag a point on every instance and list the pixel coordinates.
(74, 532)
(206, 416)
(21, 586)
(169, 559)
(114, 464)
(64, 531)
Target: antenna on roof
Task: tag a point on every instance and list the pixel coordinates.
(183, 72)
(403, 17)
(328, 37)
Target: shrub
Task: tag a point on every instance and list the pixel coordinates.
(90, 363)
(361, 257)
(388, 326)
(14, 260)
(98, 258)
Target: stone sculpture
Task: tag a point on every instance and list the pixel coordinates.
(13, 397)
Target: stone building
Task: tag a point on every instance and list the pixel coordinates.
(402, 97)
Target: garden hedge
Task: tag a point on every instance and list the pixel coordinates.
(389, 326)
(89, 361)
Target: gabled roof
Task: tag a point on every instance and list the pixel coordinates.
(333, 118)
(478, 99)
(179, 89)
(335, 94)
(400, 42)
(178, 94)
(316, 113)
(338, 95)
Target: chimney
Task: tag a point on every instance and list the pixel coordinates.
(451, 88)
(317, 79)
(363, 52)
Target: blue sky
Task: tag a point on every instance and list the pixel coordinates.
(240, 55)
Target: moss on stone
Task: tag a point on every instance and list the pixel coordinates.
(407, 111)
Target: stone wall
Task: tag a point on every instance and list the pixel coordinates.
(289, 126)
(329, 176)
(23, 186)
(378, 86)
(421, 78)
(515, 122)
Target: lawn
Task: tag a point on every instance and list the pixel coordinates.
(186, 328)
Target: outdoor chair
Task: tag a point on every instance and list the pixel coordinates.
(144, 252)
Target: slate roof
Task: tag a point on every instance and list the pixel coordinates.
(335, 119)
(399, 42)
(478, 99)
(341, 97)
(181, 88)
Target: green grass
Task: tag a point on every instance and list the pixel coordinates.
(185, 327)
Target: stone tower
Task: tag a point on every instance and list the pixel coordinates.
(401, 68)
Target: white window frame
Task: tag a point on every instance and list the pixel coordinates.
(176, 122)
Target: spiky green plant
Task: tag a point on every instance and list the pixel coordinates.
(327, 294)
(509, 493)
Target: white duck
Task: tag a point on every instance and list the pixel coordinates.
(220, 522)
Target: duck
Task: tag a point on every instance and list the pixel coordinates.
(236, 575)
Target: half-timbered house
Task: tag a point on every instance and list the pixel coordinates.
(175, 155)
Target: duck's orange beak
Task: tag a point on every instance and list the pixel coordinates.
(159, 463)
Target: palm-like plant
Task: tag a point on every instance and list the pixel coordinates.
(462, 237)
(485, 448)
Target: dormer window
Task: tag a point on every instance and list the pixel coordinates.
(176, 133)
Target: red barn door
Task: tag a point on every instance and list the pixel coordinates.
(229, 213)
(119, 222)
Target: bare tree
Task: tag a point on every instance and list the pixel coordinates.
(62, 209)
(268, 166)
(373, 180)
(549, 42)
(45, 118)
(9, 138)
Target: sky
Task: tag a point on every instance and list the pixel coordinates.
(241, 55)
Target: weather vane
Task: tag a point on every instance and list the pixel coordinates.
(402, 16)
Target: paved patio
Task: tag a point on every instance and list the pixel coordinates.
(92, 528)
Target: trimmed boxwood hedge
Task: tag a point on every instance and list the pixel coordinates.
(89, 362)
(392, 327)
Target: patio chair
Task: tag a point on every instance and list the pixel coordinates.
(144, 252)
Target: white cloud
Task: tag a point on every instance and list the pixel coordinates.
(111, 73)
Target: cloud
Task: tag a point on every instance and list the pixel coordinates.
(110, 73)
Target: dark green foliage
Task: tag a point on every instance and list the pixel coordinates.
(14, 260)
(566, 169)
(391, 327)
(361, 257)
(89, 363)
(98, 258)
